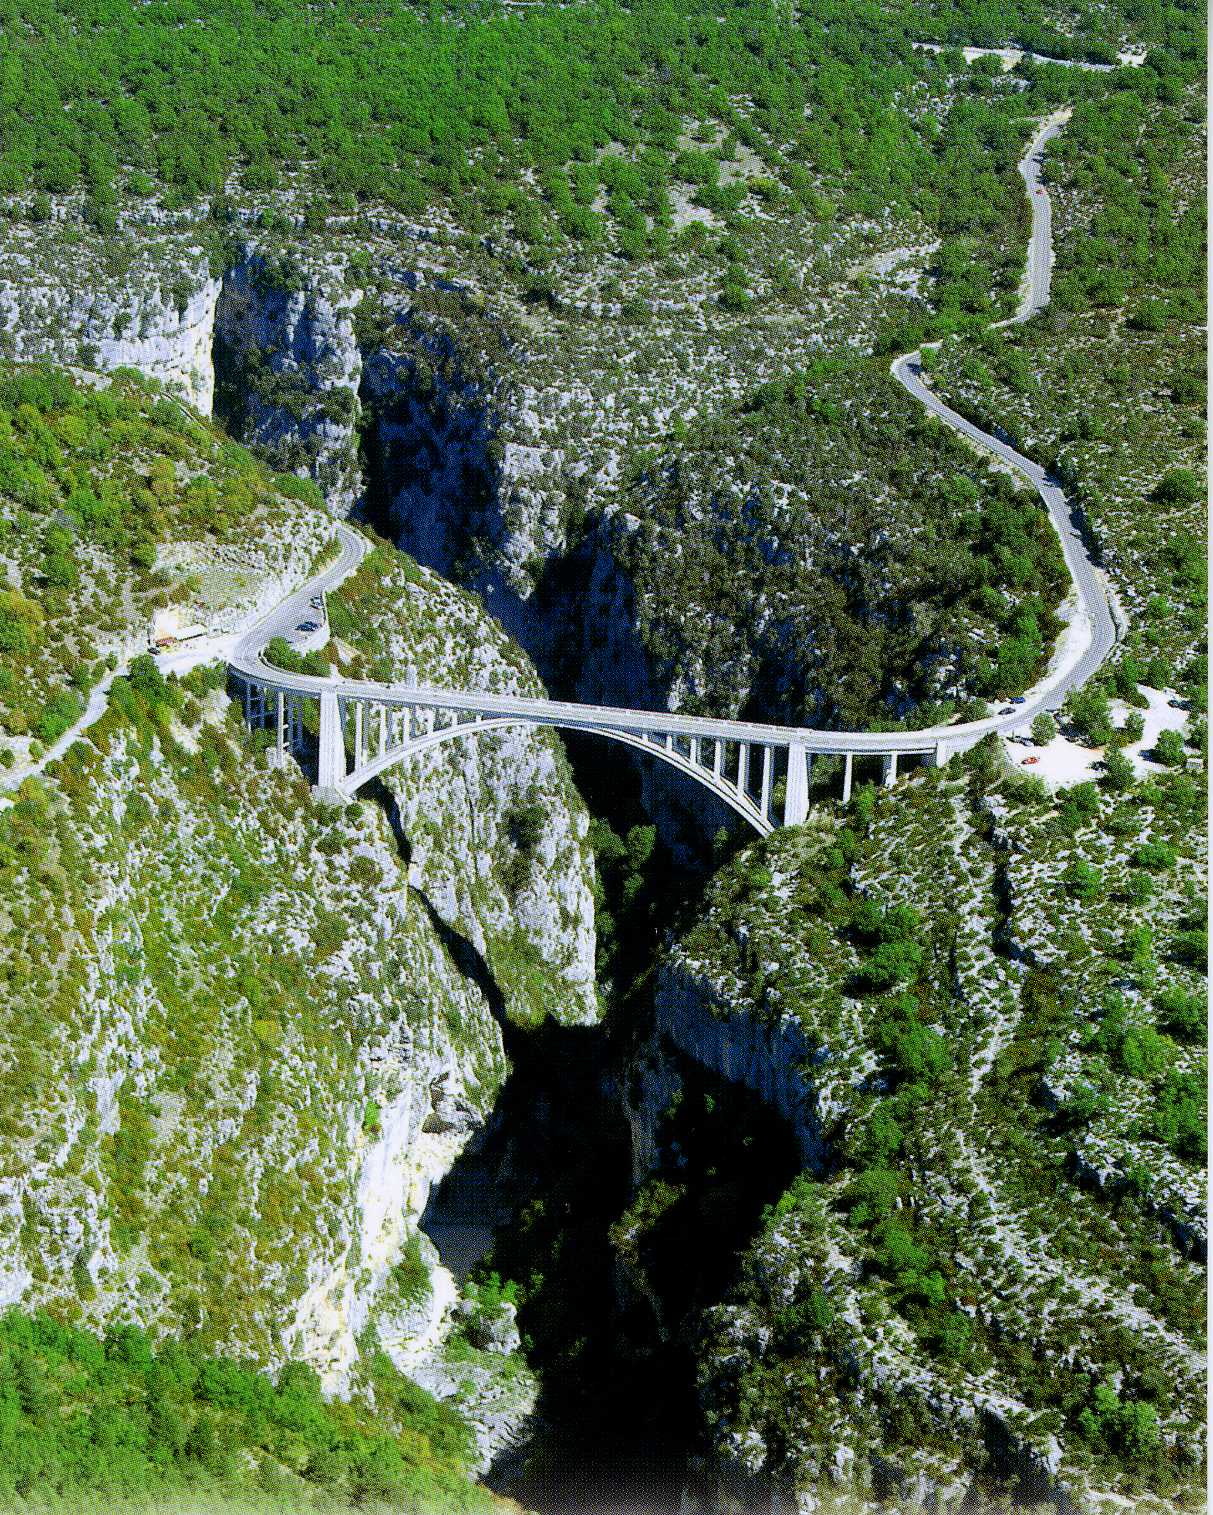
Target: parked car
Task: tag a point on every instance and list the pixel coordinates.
(307, 626)
(1017, 700)
(1029, 761)
(1007, 710)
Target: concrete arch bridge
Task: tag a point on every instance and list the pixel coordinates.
(761, 772)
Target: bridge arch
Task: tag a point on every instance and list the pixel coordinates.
(739, 800)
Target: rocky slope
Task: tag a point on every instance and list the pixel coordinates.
(989, 1277)
(249, 1035)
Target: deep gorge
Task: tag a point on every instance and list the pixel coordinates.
(539, 1194)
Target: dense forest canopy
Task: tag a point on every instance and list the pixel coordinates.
(461, 106)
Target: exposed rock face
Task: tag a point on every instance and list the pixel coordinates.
(507, 872)
(541, 914)
(288, 369)
(158, 317)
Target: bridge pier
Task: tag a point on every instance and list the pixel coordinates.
(330, 766)
(847, 765)
(796, 794)
(768, 767)
(889, 770)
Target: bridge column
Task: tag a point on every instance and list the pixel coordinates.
(695, 751)
(280, 720)
(330, 768)
(358, 756)
(743, 768)
(846, 777)
(768, 764)
(382, 729)
(889, 774)
(943, 753)
(796, 796)
(718, 759)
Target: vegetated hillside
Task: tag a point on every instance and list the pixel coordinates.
(1110, 384)
(482, 115)
(139, 1427)
(982, 1005)
(116, 502)
(825, 553)
(751, 191)
(238, 1046)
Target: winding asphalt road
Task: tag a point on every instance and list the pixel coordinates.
(1084, 649)
(1093, 605)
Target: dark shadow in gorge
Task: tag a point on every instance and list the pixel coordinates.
(548, 1181)
(611, 1335)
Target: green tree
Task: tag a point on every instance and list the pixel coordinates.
(20, 622)
(1118, 771)
(1169, 749)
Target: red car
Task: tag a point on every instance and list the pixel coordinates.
(1028, 761)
